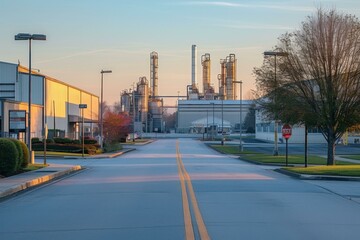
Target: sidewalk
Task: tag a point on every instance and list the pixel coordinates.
(17, 183)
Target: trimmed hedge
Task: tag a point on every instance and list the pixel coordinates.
(9, 156)
(20, 152)
(35, 140)
(71, 148)
(62, 140)
(88, 140)
(26, 157)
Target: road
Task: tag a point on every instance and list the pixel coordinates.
(180, 189)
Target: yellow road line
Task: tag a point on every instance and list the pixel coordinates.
(189, 231)
(199, 220)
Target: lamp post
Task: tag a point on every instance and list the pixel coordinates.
(241, 147)
(101, 107)
(275, 54)
(213, 124)
(28, 36)
(82, 106)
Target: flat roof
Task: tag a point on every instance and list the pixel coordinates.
(25, 70)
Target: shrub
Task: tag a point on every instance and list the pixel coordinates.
(90, 141)
(57, 147)
(8, 157)
(50, 140)
(35, 140)
(76, 141)
(62, 140)
(20, 152)
(25, 151)
(111, 147)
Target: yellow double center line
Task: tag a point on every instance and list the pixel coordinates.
(185, 178)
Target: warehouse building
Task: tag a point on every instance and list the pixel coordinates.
(54, 104)
(198, 116)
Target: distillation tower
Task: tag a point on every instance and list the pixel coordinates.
(227, 78)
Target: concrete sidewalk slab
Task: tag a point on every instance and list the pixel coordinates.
(14, 184)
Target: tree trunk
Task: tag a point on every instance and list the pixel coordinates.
(331, 148)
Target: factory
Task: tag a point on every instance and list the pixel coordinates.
(143, 103)
(201, 110)
(54, 105)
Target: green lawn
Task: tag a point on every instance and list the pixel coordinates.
(349, 170)
(231, 149)
(353, 157)
(270, 159)
(35, 166)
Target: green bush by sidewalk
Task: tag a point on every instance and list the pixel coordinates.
(20, 152)
(26, 156)
(8, 157)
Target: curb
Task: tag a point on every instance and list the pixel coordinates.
(103, 155)
(37, 181)
(316, 177)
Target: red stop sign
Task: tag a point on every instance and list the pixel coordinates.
(286, 131)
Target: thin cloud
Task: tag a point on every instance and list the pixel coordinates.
(255, 27)
(242, 5)
(92, 52)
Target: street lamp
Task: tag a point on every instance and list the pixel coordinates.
(101, 107)
(275, 54)
(240, 86)
(213, 125)
(28, 36)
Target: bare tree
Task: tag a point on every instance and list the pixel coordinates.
(322, 72)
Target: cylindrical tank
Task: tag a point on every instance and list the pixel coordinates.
(125, 101)
(143, 91)
(205, 62)
(155, 116)
(230, 76)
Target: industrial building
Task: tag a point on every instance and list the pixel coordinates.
(221, 116)
(220, 111)
(145, 105)
(54, 104)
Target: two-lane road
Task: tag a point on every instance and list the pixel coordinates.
(178, 189)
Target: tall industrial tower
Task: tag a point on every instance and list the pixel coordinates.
(206, 63)
(154, 78)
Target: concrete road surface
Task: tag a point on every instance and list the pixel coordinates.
(180, 189)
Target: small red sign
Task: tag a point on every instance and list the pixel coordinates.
(286, 131)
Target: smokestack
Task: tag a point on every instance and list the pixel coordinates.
(193, 66)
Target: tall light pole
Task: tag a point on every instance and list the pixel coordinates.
(213, 123)
(101, 107)
(241, 147)
(28, 36)
(275, 54)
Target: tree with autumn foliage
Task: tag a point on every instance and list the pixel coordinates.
(116, 126)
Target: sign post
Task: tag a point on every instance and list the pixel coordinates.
(286, 132)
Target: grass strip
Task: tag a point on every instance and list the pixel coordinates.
(353, 157)
(292, 159)
(231, 149)
(35, 166)
(349, 170)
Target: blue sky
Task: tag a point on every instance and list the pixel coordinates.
(85, 36)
